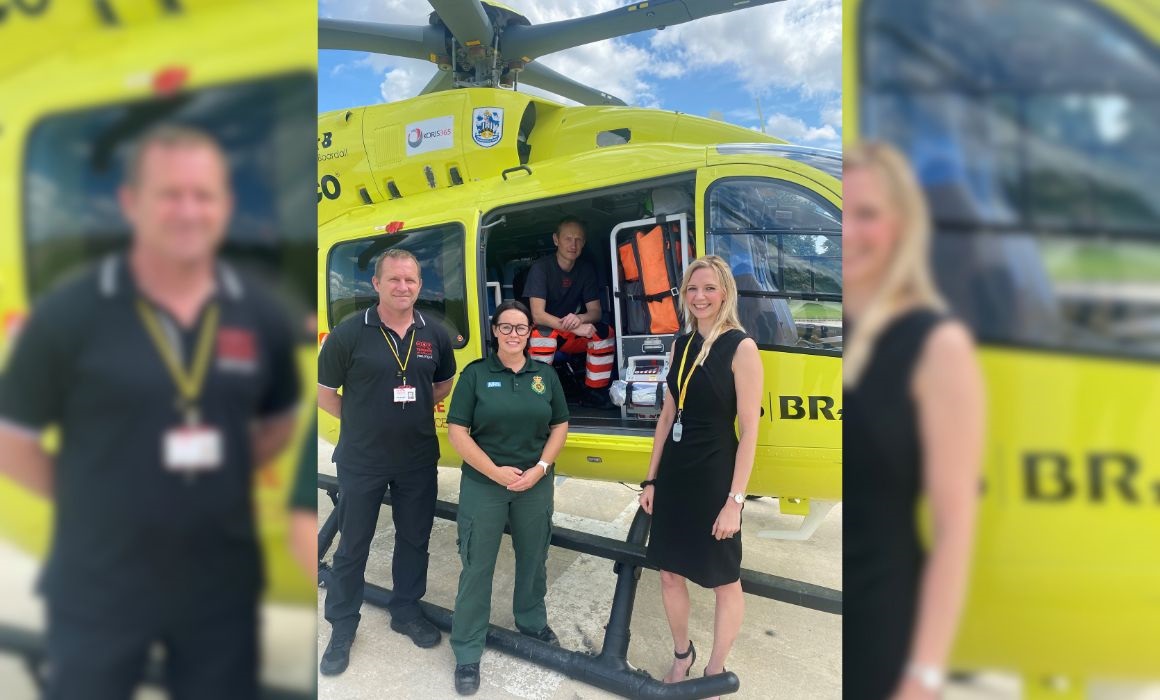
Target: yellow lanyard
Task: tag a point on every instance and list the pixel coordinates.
(189, 383)
(685, 384)
(403, 362)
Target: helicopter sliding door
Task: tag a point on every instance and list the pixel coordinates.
(780, 231)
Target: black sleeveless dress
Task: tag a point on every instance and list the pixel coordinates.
(695, 474)
(882, 481)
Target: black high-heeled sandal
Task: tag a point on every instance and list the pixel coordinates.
(681, 657)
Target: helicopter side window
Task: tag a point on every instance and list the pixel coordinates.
(1038, 163)
(785, 248)
(442, 299)
(74, 164)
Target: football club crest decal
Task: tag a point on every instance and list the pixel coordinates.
(538, 384)
(487, 126)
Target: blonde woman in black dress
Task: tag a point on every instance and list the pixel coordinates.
(912, 427)
(700, 467)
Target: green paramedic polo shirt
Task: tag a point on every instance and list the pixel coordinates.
(510, 414)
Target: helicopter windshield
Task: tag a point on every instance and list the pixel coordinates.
(443, 296)
(785, 247)
(74, 164)
(1052, 153)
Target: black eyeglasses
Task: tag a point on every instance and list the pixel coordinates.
(507, 328)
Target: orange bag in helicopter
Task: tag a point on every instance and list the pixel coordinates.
(654, 252)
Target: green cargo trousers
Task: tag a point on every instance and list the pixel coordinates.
(484, 509)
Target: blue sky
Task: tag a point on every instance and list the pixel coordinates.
(788, 54)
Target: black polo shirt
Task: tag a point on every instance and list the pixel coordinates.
(563, 292)
(379, 435)
(510, 414)
(130, 534)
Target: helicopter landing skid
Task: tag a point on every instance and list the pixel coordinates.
(610, 669)
(813, 520)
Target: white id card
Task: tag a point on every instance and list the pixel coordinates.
(405, 394)
(193, 448)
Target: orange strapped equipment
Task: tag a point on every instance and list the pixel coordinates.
(628, 262)
(657, 269)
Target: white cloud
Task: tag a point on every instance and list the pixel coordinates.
(394, 11)
(795, 130)
(405, 81)
(794, 44)
(832, 115)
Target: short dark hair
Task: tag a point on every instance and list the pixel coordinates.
(509, 305)
(396, 254)
(170, 136)
(571, 220)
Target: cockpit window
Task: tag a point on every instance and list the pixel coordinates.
(1039, 164)
(784, 245)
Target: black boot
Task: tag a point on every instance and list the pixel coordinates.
(420, 630)
(467, 678)
(337, 655)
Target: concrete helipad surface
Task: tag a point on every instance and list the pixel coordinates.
(287, 633)
(782, 651)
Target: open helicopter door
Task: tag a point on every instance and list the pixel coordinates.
(648, 258)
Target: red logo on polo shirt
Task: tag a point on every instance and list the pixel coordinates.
(237, 350)
(566, 282)
(424, 350)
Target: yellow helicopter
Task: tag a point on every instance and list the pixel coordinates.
(78, 82)
(1032, 126)
(472, 176)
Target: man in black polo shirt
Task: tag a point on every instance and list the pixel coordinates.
(564, 297)
(393, 367)
(171, 378)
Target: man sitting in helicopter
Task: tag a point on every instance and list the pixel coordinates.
(565, 300)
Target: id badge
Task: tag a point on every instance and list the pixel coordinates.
(405, 394)
(678, 431)
(193, 448)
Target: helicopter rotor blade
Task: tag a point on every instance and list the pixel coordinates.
(529, 43)
(392, 39)
(442, 80)
(543, 77)
(467, 20)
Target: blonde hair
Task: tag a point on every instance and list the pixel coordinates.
(727, 316)
(908, 282)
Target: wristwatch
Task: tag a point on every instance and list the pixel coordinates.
(648, 482)
(738, 498)
(545, 465)
(929, 677)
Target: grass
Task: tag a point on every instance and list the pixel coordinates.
(1132, 262)
(814, 311)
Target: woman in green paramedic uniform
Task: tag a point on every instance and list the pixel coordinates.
(508, 420)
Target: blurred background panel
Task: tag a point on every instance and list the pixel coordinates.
(1034, 128)
(79, 82)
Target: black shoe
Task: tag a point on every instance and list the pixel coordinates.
(420, 630)
(337, 655)
(544, 635)
(467, 678)
(595, 398)
(691, 650)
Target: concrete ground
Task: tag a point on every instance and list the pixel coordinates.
(287, 633)
(783, 651)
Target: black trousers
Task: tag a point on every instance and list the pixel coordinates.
(95, 657)
(413, 494)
